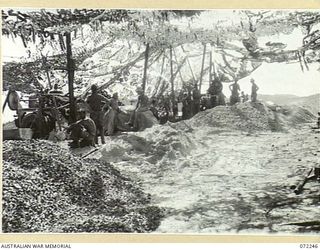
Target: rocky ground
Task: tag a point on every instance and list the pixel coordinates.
(226, 170)
(48, 189)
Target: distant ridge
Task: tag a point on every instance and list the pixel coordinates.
(312, 102)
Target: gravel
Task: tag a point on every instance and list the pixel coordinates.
(47, 189)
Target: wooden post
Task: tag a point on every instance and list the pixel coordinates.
(146, 56)
(210, 67)
(160, 77)
(44, 61)
(202, 65)
(176, 58)
(6, 101)
(171, 76)
(171, 80)
(70, 68)
(48, 77)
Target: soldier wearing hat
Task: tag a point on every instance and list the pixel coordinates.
(254, 89)
(96, 102)
(234, 88)
(142, 105)
(113, 112)
(82, 132)
(196, 96)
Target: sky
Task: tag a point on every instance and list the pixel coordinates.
(282, 78)
(272, 78)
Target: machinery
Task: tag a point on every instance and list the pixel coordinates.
(44, 112)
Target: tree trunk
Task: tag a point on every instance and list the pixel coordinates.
(210, 67)
(146, 56)
(70, 68)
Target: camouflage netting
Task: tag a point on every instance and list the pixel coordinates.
(47, 189)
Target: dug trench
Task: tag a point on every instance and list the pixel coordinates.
(226, 170)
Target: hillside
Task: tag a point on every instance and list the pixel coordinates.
(312, 102)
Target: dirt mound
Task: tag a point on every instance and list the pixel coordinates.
(295, 116)
(161, 142)
(242, 116)
(47, 189)
(253, 117)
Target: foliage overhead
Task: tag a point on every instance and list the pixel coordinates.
(94, 30)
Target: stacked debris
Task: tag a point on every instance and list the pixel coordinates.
(47, 189)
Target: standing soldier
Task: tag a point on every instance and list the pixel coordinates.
(211, 93)
(185, 106)
(234, 88)
(218, 91)
(254, 89)
(96, 102)
(113, 114)
(243, 97)
(187, 103)
(167, 109)
(196, 99)
(141, 106)
(215, 92)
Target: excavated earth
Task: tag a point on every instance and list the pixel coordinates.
(226, 170)
(48, 189)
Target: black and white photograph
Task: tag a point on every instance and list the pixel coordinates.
(161, 121)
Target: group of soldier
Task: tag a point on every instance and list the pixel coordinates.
(92, 123)
(101, 117)
(235, 90)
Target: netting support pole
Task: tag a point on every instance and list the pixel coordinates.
(146, 57)
(202, 65)
(70, 69)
